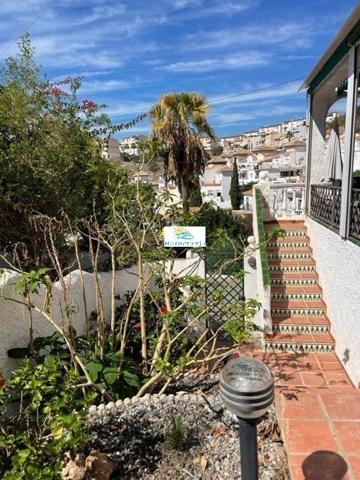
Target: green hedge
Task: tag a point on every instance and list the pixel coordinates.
(261, 230)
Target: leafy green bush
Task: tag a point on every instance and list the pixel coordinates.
(215, 219)
(261, 230)
(50, 152)
(116, 375)
(48, 422)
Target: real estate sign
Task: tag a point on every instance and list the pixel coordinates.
(176, 236)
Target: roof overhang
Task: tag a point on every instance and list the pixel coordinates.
(347, 36)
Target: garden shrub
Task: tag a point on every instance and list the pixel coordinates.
(47, 423)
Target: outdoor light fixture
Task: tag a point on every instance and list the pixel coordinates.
(247, 390)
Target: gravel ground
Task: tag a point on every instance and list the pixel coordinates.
(135, 435)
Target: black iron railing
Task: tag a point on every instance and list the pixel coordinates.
(355, 214)
(325, 204)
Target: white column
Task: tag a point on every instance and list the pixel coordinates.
(349, 144)
(293, 203)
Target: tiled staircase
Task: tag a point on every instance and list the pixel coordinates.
(298, 312)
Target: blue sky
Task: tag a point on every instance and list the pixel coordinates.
(130, 52)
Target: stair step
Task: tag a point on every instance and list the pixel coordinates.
(294, 282)
(285, 262)
(289, 245)
(285, 224)
(298, 312)
(280, 268)
(289, 255)
(299, 329)
(294, 234)
(304, 288)
(288, 296)
(319, 320)
(303, 342)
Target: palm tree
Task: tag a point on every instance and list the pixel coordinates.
(178, 120)
(289, 135)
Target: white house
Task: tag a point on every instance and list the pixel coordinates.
(333, 207)
(130, 145)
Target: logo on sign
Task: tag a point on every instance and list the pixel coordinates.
(179, 236)
(182, 233)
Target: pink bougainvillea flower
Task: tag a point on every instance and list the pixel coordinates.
(138, 325)
(88, 104)
(236, 355)
(55, 90)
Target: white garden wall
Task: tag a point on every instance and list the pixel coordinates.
(14, 330)
(338, 265)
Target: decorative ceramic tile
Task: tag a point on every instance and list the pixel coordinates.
(296, 296)
(288, 245)
(292, 268)
(297, 256)
(302, 282)
(299, 347)
(298, 312)
(295, 233)
(289, 328)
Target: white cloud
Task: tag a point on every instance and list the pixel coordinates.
(185, 3)
(194, 9)
(103, 12)
(231, 62)
(20, 6)
(104, 86)
(232, 118)
(289, 35)
(268, 92)
(130, 108)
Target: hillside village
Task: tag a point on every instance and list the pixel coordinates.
(273, 153)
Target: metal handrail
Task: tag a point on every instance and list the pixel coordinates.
(325, 203)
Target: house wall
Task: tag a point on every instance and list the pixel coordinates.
(225, 187)
(338, 265)
(14, 332)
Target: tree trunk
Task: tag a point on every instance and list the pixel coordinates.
(142, 312)
(113, 306)
(185, 193)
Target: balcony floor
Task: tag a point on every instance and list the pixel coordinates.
(319, 414)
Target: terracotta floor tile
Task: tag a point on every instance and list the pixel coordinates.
(308, 436)
(312, 289)
(308, 367)
(348, 435)
(295, 465)
(323, 338)
(342, 405)
(313, 379)
(305, 406)
(284, 367)
(327, 357)
(338, 379)
(285, 378)
(331, 367)
(303, 337)
(309, 275)
(354, 464)
(307, 358)
(315, 304)
(281, 337)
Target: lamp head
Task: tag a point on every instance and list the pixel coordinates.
(246, 387)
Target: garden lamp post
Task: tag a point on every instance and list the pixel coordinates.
(247, 390)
